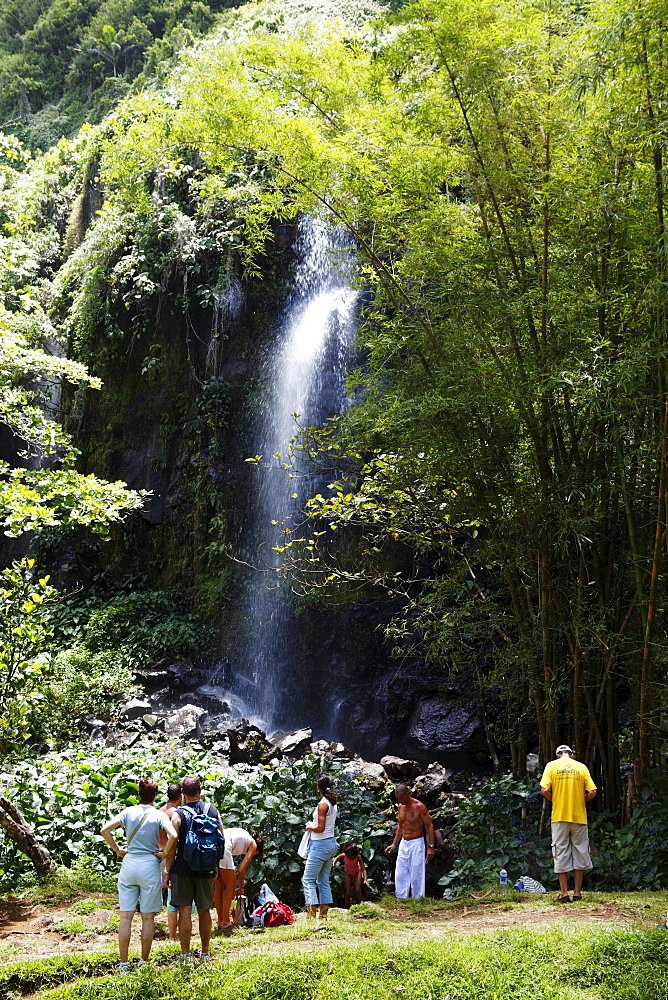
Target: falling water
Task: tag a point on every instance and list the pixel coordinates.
(306, 376)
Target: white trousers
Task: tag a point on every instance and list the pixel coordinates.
(410, 869)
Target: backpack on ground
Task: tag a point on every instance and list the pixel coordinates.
(528, 884)
(204, 845)
(272, 914)
(241, 912)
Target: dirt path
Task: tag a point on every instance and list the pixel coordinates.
(31, 930)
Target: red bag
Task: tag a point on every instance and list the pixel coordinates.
(273, 914)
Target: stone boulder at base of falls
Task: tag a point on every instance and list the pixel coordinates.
(432, 782)
(134, 709)
(185, 723)
(372, 775)
(248, 744)
(294, 744)
(153, 723)
(399, 768)
(332, 751)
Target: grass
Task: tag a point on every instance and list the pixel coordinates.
(521, 965)
(416, 950)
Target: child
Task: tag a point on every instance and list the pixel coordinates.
(353, 872)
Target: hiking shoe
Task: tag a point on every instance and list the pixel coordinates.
(186, 959)
(205, 958)
(141, 964)
(124, 969)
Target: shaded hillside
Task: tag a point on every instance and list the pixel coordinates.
(65, 62)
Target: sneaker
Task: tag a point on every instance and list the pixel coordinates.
(185, 958)
(141, 964)
(205, 957)
(124, 969)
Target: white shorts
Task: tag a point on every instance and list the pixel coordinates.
(570, 847)
(140, 881)
(226, 861)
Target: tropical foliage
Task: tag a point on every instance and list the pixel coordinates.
(68, 795)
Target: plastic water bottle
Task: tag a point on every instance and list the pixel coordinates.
(503, 881)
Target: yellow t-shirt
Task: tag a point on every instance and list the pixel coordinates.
(568, 780)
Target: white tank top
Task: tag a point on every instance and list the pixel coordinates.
(330, 820)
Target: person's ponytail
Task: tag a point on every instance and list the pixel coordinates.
(325, 787)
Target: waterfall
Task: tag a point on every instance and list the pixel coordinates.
(305, 375)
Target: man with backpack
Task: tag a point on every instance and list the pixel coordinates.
(193, 866)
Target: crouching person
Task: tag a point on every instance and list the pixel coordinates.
(140, 877)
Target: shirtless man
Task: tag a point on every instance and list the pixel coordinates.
(414, 821)
(174, 794)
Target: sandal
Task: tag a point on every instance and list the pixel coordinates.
(576, 899)
(563, 899)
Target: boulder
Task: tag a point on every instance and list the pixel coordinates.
(442, 727)
(432, 782)
(185, 723)
(94, 725)
(153, 680)
(248, 744)
(153, 723)
(294, 744)
(332, 751)
(134, 709)
(372, 775)
(399, 768)
(124, 742)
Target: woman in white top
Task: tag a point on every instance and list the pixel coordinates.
(322, 850)
(140, 877)
(237, 842)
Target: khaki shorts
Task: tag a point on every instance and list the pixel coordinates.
(570, 847)
(187, 889)
(226, 861)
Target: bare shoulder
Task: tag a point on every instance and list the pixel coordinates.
(421, 808)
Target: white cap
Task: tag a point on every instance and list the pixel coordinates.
(563, 749)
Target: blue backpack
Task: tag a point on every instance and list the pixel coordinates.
(204, 844)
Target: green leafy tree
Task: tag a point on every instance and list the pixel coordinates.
(25, 637)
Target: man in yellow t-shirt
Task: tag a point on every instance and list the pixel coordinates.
(568, 786)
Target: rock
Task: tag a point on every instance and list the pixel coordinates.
(432, 782)
(216, 741)
(185, 722)
(134, 709)
(153, 723)
(124, 742)
(332, 751)
(294, 744)
(248, 744)
(442, 727)
(398, 767)
(372, 775)
(153, 680)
